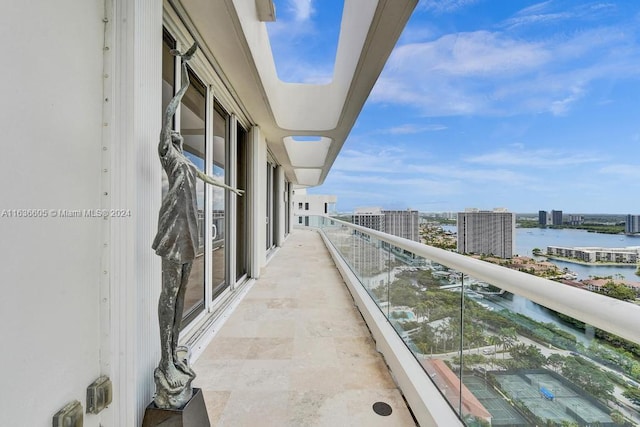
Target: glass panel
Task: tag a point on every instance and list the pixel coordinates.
(270, 217)
(168, 72)
(530, 365)
(241, 205)
(192, 128)
(497, 358)
(218, 170)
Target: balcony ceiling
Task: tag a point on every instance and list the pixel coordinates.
(233, 36)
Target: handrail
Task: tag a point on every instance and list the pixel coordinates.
(614, 316)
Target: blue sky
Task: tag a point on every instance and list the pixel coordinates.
(486, 103)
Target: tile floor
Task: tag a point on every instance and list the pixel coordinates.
(296, 352)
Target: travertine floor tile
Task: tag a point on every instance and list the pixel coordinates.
(296, 352)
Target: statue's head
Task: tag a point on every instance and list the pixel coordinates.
(177, 140)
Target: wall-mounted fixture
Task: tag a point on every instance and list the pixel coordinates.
(99, 394)
(69, 416)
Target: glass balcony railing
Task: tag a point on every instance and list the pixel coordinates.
(502, 347)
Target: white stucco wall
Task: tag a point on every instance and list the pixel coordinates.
(258, 173)
(51, 83)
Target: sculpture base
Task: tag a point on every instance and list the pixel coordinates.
(193, 414)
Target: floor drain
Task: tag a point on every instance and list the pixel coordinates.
(382, 408)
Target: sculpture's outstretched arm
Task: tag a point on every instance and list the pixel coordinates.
(167, 122)
(206, 178)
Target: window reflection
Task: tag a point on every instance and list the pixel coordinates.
(192, 128)
(218, 170)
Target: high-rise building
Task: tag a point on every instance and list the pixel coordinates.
(369, 217)
(550, 218)
(542, 217)
(402, 223)
(487, 232)
(632, 224)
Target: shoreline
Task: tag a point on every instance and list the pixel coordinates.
(590, 264)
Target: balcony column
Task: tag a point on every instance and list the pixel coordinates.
(281, 210)
(256, 198)
(132, 273)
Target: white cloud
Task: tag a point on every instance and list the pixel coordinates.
(495, 73)
(543, 158)
(551, 12)
(470, 54)
(383, 161)
(407, 129)
(562, 106)
(445, 6)
(407, 185)
(396, 167)
(301, 9)
(622, 170)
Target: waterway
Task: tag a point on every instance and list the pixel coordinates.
(529, 238)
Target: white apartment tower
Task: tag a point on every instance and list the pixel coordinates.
(632, 224)
(402, 223)
(487, 232)
(369, 217)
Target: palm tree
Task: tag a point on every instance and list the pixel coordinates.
(494, 340)
(420, 310)
(508, 338)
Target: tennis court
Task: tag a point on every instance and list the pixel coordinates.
(502, 413)
(529, 394)
(588, 413)
(566, 404)
(545, 380)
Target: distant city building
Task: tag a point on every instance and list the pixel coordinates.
(305, 205)
(369, 217)
(487, 232)
(628, 255)
(576, 219)
(632, 224)
(446, 215)
(556, 217)
(550, 218)
(542, 217)
(402, 223)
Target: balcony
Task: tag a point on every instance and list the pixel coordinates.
(453, 337)
(296, 351)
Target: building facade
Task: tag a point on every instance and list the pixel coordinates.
(486, 232)
(632, 224)
(542, 217)
(402, 223)
(628, 255)
(550, 218)
(84, 184)
(576, 219)
(369, 217)
(305, 205)
(556, 217)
